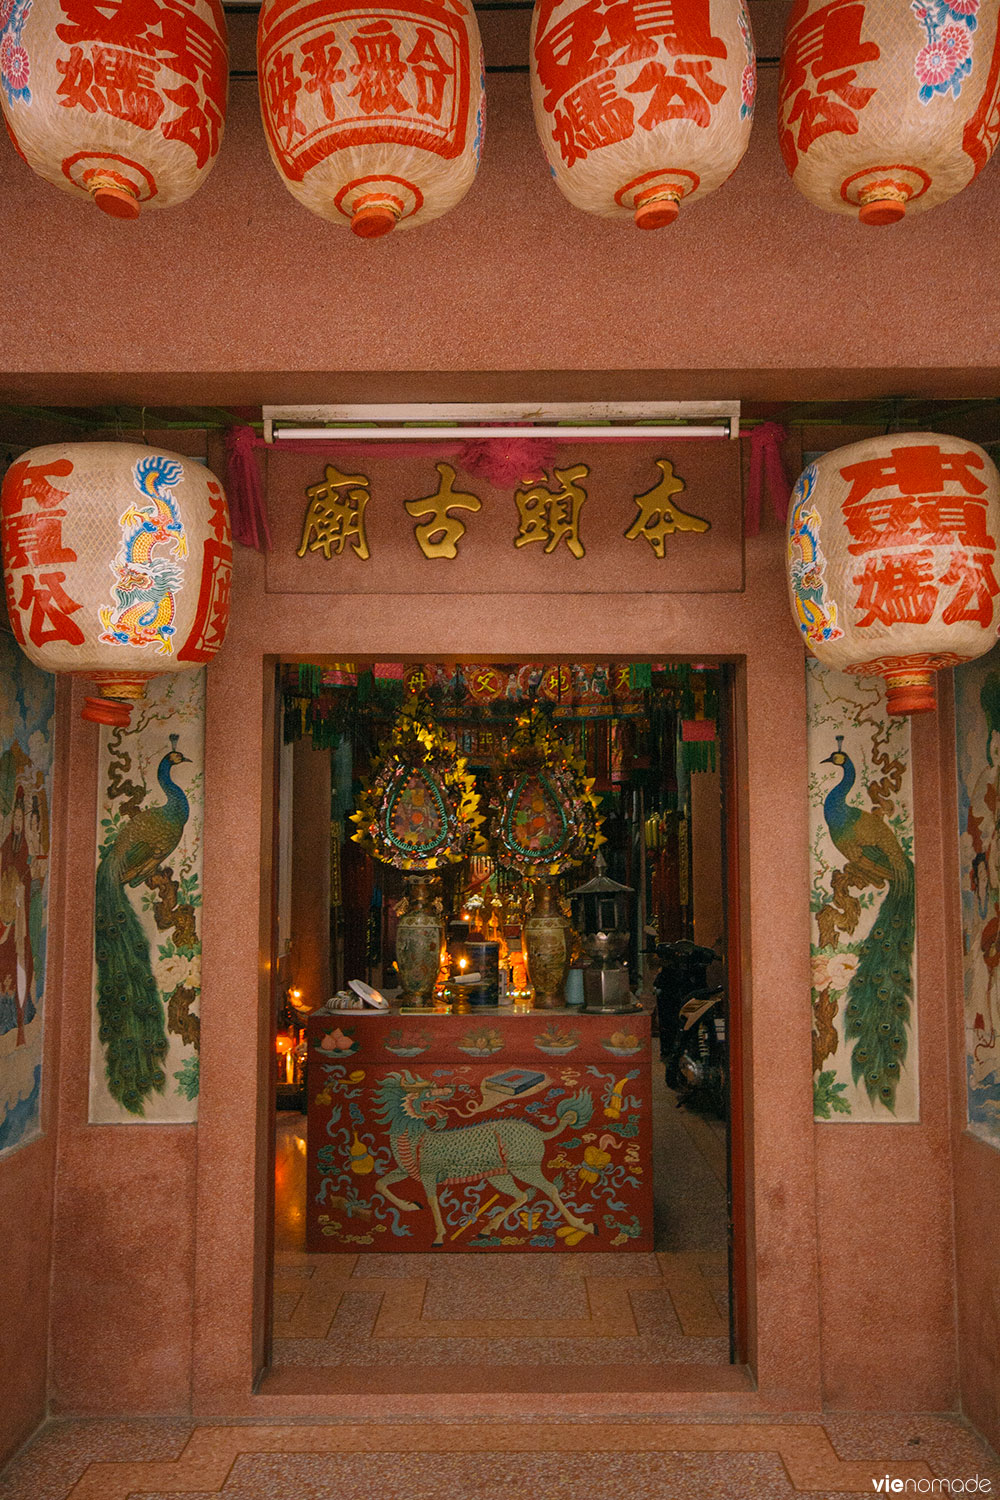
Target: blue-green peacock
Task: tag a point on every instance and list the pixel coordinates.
(129, 1008)
(877, 1008)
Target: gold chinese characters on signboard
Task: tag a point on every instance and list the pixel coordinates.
(549, 511)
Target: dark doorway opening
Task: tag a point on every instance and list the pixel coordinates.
(358, 1316)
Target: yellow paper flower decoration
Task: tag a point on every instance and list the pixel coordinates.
(421, 810)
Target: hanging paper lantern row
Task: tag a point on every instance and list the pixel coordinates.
(641, 107)
(373, 117)
(124, 104)
(888, 108)
(117, 565)
(421, 810)
(892, 548)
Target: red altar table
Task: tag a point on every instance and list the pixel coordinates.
(525, 1131)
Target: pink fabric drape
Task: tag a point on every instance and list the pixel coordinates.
(247, 510)
(766, 465)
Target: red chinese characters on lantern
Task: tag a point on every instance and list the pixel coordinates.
(919, 547)
(351, 78)
(607, 70)
(39, 603)
(378, 70)
(212, 615)
(321, 65)
(156, 64)
(820, 92)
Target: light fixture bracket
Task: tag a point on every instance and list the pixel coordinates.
(394, 422)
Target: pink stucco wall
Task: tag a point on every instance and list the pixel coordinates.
(887, 1255)
(976, 1171)
(123, 1247)
(752, 292)
(160, 1242)
(160, 1265)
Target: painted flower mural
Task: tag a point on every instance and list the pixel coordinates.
(146, 1029)
(861, 901)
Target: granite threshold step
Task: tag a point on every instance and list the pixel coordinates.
(405, 1380)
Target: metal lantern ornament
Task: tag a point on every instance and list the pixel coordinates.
(642, 107)
(888, 108)
(892, 556)
(121, 103)
(373, 116)
(601, 917)
(117, 564)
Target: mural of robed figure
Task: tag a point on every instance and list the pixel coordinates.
(17, 968)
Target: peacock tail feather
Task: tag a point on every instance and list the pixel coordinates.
(877, 1013)
(129, 1008)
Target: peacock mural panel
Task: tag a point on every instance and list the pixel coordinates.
(147, 910)
(977, 735)
(862, 902)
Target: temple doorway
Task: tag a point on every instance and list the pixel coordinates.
(602, 1248)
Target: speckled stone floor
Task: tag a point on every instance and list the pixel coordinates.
(644, 1459)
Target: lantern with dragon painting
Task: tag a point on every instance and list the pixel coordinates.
(122, 103)
(892, 557)
(888, 108)
(117, 564)
(373, 117)
(642, 107)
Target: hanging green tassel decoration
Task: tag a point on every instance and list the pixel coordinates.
(309, 678)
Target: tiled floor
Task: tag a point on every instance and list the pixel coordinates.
(434, 1310)
(643, 1459)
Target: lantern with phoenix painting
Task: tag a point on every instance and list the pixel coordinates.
(642, 107)
(122, 104)
(117, 564)
(373, 116)
(888, 108)
(892, 557)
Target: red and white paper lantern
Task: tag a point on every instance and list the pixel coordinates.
(892, 559)
(641, 107)
(373, 117)
(123, 103)
(888, 108)
(117, 565)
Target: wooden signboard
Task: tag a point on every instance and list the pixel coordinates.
(600, 518)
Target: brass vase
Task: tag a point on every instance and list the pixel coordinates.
(547, 947)
(419, 940)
